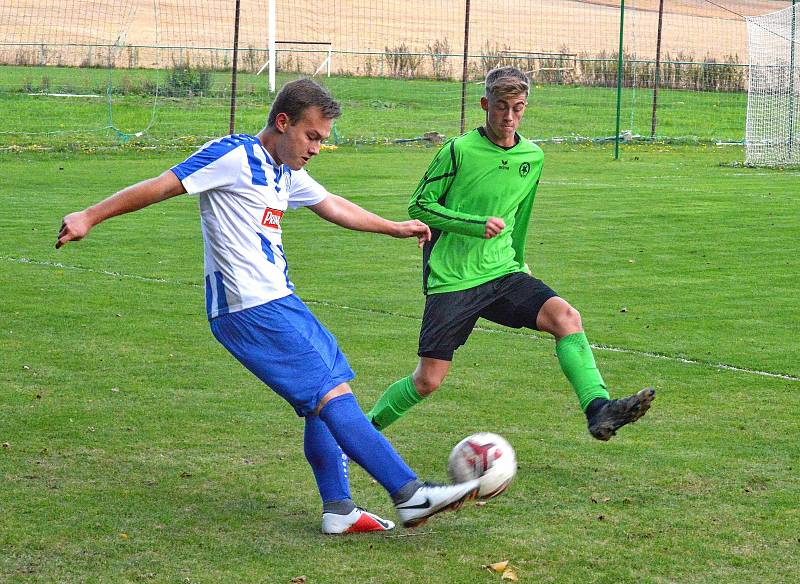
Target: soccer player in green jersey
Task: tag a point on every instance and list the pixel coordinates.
(477, 196)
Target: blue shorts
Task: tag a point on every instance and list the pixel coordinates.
(285, 346)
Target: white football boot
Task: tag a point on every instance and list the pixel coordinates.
(357, 521)
(431, 499)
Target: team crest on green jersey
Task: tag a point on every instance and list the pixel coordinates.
(524, 169)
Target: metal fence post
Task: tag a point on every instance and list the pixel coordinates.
(619, 76)
(464, 68)
(232, 124)
(792, 64)
(657, 80)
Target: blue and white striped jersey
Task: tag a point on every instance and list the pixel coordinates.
(243, 196)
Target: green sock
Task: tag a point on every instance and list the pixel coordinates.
(400, 397)
(577, 362)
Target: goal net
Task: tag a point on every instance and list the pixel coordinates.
(773, 112)
(60, 52)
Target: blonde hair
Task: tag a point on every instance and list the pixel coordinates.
(504, 82)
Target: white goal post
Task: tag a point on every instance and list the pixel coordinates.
(272, 49)
(772, 136)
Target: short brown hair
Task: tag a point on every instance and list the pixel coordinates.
(296, 97)
(506, 82)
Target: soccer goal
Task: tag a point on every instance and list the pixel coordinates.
(298, 48)
(773, 117)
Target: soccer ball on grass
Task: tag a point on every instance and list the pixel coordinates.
(487, 457)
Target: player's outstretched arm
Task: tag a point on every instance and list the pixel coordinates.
(77, 225)
(344, 213)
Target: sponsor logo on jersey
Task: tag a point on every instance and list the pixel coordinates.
(524, 169)
(503, 165)
(272, 218)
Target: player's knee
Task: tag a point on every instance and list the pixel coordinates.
(565, 321)
(571, 320)
(427, 382)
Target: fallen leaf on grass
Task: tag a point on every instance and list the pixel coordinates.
(510, 574)
(299, 580)
(506, 572)
(497, 566)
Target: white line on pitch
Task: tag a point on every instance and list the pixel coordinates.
(325, 303)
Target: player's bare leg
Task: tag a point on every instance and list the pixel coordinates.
(429, 375)
(604, 415)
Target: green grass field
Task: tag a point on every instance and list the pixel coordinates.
(136, 450)
(375, 109)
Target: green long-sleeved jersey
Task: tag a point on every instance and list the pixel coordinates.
(469, 180)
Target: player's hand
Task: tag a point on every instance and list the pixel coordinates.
(74, 226)
(413, 228)
(494, 225)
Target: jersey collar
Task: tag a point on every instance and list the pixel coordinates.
(517, 138)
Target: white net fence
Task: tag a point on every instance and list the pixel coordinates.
(773, 103)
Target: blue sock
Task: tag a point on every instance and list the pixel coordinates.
(327, 461)
(364, 444)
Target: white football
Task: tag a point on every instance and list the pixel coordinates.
(487, 457)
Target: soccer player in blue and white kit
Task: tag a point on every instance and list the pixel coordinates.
(245, 184)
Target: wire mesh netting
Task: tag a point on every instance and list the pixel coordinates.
(773, 115)
(89, 72)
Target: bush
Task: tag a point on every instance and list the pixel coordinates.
(682, 71)
(439, 52)
(402, 63)
(184, 81)
(493, 56)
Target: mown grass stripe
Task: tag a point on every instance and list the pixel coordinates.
(538, 337)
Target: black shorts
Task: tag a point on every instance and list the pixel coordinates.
(513, 300)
